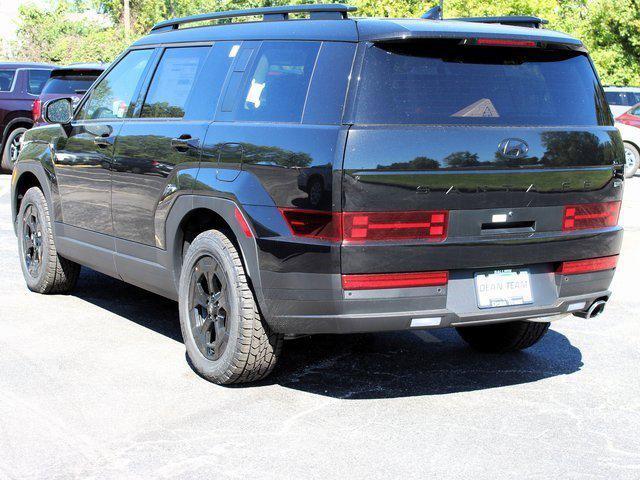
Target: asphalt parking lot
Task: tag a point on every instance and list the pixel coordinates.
(95, 385)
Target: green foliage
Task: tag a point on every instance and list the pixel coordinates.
(56, 36)
(609, 28)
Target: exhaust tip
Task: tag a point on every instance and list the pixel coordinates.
(593, 311)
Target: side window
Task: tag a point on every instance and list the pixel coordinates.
(208, 86)
(6, 80)
(172, 82)
(112, 97)
(37, 79)
(277, 85)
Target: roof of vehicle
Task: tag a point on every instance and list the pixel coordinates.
(611, 88)
(376, 29)
(96, 68)
(348, 30)
(26, 65)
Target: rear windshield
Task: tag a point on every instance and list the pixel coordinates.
(623, 99)
(441, 83)
(72, 84)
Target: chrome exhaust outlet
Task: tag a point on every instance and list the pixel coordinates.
(593, 311)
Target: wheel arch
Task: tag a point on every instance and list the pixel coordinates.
(194, 214)
(634, 144)
(25, 176)
(13, 124)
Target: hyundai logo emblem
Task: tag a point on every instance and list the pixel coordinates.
(513, 148)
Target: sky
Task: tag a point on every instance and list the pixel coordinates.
(8, 14)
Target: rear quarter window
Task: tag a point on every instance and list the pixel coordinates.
(277, 85)
(445, 83)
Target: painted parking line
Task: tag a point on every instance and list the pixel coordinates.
(5, 186)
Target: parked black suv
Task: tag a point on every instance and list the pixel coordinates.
(470, 175)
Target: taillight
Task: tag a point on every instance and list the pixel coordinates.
(36, 111)
(358, 227)
(313, 223)
(499, 42)
(394, 280)
(382, 226)
(590, 215)
(589, 265)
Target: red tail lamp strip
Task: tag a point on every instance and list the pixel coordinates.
(589, 265)
(382, 226)
(243, 223)
(313, 223)
(590, 215)
(394, 280)
(497, 42)
(368, 226)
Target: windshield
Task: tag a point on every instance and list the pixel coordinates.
(446, 83)
(623, 99)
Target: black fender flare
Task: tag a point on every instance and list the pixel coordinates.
(225, 208)
(44, 179)
(9, 126)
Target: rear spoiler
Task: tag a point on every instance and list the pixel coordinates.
(513, 20)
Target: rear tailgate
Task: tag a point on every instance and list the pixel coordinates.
(501, 139)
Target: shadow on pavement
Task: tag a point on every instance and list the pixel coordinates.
(361, 366)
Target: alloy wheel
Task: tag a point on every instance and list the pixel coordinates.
(630, 159)
(14, 149)
(32, 240)
(209, 308)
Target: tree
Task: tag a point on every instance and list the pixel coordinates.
(609, 28)
(63, 34)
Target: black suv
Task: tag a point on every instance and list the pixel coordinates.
(332, 175)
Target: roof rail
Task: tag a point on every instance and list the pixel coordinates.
(316, 12)
(514, 20)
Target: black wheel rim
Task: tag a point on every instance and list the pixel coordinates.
(14, 149)
(630, 158)
(32, 240)
(209, 308)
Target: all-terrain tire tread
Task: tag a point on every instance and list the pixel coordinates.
(61, 274)
(260, 347)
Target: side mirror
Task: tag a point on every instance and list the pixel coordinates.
(59, 111)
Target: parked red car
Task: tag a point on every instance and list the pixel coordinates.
(20, 85)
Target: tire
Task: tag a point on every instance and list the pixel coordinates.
(632, 160)
(43, 269)
(8, 155)
(226, 338)
(503, 337)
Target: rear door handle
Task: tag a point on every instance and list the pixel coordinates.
(184, 142)
(103, 141)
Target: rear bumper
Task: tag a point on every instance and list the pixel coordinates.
(298, 303)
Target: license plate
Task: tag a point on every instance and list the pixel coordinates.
(503, 288)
